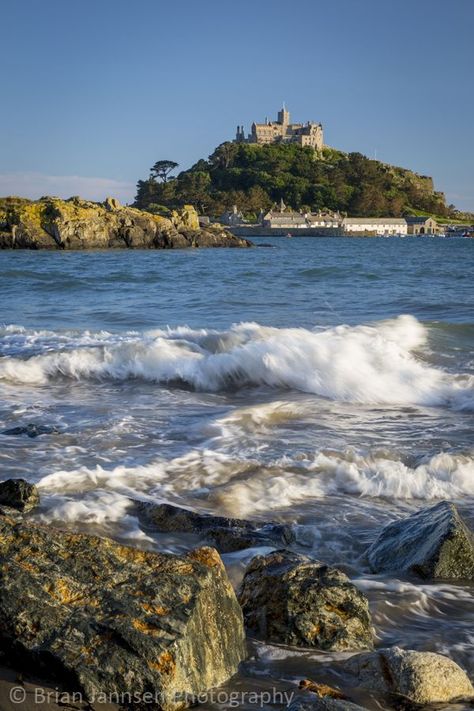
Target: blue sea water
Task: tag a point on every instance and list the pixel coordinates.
(327, 382)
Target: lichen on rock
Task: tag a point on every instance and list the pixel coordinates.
(105, 618)
(289, 598)
(52, 223)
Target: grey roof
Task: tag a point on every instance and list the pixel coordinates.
(374, 220)
(412, 220)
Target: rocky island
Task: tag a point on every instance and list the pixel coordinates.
(76, 224)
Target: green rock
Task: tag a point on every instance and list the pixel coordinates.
(434, 543)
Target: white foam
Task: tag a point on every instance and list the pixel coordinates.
(364, 364)
(101, 509)
(212, 481)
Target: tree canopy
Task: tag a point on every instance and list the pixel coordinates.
(162, 169)
(254, 177)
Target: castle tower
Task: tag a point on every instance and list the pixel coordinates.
(284, 116)
(240, 135)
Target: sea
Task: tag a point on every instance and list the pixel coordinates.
(323, 382)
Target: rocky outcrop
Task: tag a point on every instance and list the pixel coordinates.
(226, 534)
(422, 677)
(19, 494)
(51, 223)
(288, 598)
(107, 619)
(432, 543)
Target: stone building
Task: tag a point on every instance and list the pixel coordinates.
(324, 218)
(285, 220)
(232, 218)
(375, 225)
(282, 131)
(422, 226)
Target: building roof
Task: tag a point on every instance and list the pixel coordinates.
(412, 220)
(374, 220)
(285, 216)
(323, 218)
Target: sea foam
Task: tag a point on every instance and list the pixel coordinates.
(362, 364)
(214, 481)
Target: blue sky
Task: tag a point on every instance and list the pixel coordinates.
(95, 91)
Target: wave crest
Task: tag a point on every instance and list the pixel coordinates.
(365, 364)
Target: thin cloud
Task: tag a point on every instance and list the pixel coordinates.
(35, 185)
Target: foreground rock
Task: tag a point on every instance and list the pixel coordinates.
(51, 223)
(432, 543)
(107, 619)
(226, 534)
(289, 598)
(19, 494)
(422, 677)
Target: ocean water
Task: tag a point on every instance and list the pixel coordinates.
(327, 383)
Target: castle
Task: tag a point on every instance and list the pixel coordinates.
(282, 131)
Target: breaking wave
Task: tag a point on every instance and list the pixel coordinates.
(214, 481)
(363, 364)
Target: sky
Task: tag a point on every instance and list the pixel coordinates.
(95, 91)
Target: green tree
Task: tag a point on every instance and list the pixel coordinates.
(162, 169)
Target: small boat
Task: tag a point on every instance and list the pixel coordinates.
(289, 236)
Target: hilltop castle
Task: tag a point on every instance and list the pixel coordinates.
(282, 131)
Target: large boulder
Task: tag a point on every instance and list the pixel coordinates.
(52, 223)
(226, 534)
(106, 619)
(422, 677)
(432, 543)
(19, 494)
(289, 598)
(186, 218)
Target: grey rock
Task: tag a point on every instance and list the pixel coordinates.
(422, 677)
(226, 534)
(289, 598)
(19, 494)
(107, 619)
(31, 430)
(434, 543)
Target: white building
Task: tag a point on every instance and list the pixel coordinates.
(375, 225)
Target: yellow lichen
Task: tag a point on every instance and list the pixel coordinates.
(60, 590)
(207, 556)
(155, 609)
(165, 664)
(145, 628)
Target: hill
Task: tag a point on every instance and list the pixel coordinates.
(254, 177)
